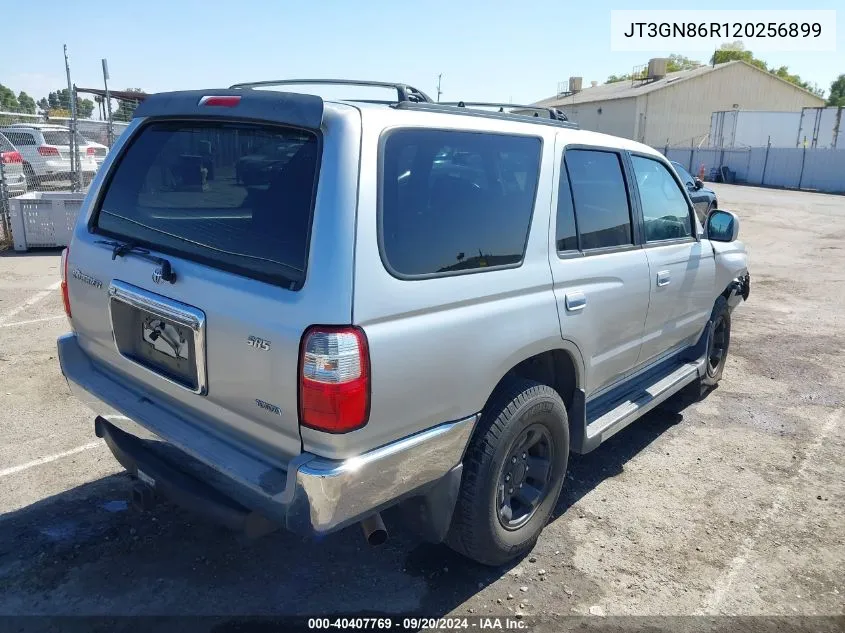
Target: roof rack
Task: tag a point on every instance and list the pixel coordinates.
(552, 113)
(469, 109)
(404, 92)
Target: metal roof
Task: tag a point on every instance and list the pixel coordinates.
(625, 89)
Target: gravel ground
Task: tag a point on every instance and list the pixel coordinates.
(735, 505)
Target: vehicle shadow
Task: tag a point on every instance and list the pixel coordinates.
(85, 551)
(33, 252)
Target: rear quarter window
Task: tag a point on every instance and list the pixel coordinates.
(234, 196)
(453, 202)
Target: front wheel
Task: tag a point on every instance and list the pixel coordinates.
(513, 473)
(718, 342)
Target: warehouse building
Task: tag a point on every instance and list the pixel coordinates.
(676, 108)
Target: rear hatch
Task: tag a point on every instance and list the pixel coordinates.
(199, 234)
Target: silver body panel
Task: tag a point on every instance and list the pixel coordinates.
(438, 346)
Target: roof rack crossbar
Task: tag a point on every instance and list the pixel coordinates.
(404, 92)
(552, 113)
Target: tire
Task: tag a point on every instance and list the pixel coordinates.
(521, 410)
(718, 343)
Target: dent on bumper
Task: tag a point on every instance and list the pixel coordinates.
(312, 494)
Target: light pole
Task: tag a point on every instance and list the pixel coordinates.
(439, 91)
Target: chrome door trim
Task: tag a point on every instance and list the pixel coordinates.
(175, 311)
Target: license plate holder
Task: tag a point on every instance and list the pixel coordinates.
(161, 335)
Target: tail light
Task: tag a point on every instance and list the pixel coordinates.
(226, 101)
(90, 151)
(334, 387)
(65, 295)
(11, 157)
(47, 150)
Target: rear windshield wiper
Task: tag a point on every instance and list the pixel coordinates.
(122, 249)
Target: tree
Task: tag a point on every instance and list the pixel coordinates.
(736, 51)
(126, 107)
(58, 104)
(837, 92)
(26, 104)
(8, 100)
(674, 64)
(679, 62)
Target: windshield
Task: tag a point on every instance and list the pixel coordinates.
(212, 192)
(682, 173)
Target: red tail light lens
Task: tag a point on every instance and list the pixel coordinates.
(11, 157)
(334, 388)
(47, 150)
(65, 295)
(226, 101)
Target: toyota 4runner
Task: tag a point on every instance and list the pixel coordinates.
(295, 312)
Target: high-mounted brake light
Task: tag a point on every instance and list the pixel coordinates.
(65, 294)
(226, 101)
(48, 150)
(334, 383)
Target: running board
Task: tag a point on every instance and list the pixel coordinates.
(607, 416)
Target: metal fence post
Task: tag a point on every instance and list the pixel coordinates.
(766, 162)
(803, 159)
(5, 224)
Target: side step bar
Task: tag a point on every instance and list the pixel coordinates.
(640, 397)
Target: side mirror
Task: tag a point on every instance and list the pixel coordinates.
(697, 184)
(722, 226)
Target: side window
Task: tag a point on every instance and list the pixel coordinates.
(666, 213)
(566, 236)
(600, 198)
(455, 201)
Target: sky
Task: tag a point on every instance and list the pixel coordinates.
(491, 51)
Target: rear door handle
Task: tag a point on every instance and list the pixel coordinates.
(663, 278)
(575, 301)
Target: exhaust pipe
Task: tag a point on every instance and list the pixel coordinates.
(374, 531)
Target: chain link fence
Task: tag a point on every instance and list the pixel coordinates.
(49, 158)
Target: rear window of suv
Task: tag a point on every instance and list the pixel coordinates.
(56, 137)
(235, 196)
(456, 201)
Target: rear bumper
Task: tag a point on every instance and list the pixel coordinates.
(229, 483)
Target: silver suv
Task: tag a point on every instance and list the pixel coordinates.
(295, 312)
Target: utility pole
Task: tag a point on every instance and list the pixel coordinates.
(439, 91)
(109, 126)
(74, 146)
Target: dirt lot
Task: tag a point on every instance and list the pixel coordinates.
(735, 506)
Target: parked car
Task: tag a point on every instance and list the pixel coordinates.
(12, 167)
(703, 199)
(45, 149)
(95, 149)
(368, 327)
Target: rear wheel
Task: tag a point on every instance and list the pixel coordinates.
(513, 473)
